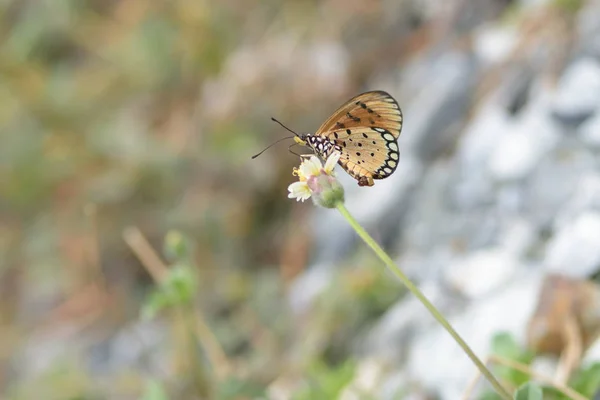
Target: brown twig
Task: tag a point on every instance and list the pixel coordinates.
(571, 355)
(145, 253)
(473, 383)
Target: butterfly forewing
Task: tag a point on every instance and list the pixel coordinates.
(366, 128)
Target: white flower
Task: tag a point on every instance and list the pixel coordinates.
(331, 162)
(299, 191)
(309, 167)
(317, 181)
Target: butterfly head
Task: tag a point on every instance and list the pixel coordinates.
(301, 139)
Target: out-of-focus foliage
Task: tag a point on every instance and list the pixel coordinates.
(177, 289)
(127, 188)
(529, 391)
(324, 382)
(585, 380)
(505, 346)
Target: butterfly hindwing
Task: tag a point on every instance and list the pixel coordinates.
(366, 128)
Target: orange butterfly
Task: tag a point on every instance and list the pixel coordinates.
(364, 130)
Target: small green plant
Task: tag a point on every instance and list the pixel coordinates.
(505, 346)
(326, 382)
(154, 391)
(177, 289)
(583, 384)
(234, 388)
(585, 381)
(529, 391)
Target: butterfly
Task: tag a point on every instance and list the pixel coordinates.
(365, 131)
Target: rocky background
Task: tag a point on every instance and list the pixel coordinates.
(122, 121)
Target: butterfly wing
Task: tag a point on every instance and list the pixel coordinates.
(366, 127)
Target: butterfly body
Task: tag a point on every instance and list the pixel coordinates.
(364, 130)
(323, 147)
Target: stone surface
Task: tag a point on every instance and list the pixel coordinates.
(589, 131)
(388, 339)
(494, 43)
(554, 183)
(479, 273)
(578, 93)
(520, 148)
(575, 249)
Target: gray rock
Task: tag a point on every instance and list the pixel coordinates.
(585, 197)
(526, 140)
(554, 182)
(481, 272)
(494, 43)
(575, 250)
(390, 337)
(588, 29)
(439, 106)
(436, 221)
(480, 137)
(589, 132)
(578, 93)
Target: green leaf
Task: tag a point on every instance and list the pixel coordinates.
(529, 391)
(178, 288)
(326, 382)
(505, 346)
(235, 388)
(176, 246)
(587, 381)
(181, 284)
(156, 302)
(154, 391)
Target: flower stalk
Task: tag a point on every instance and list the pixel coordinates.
(319, 182)
(419, 295)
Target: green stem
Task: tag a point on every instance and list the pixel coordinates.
(436, 314)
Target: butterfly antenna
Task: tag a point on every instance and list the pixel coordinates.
(271, 145)
(285, 127)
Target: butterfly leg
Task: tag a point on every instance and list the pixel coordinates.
(294, 153)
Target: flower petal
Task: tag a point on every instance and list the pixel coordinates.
(331, 162)
(299, 191)
(309, 167)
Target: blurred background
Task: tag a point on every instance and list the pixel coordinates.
(143, 254)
